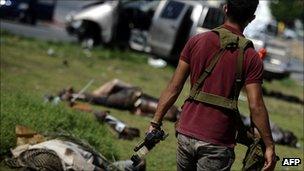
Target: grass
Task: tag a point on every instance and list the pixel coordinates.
(28, 72)
(20, 108)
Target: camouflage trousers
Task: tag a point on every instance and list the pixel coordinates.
(198, 155)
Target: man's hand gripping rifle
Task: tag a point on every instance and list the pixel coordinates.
(142, 148)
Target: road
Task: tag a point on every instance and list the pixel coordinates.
(56, 32)
(48, 31)
(42, 31)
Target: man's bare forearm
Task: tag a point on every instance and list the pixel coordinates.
(167, 99)
(171, 93)
(261, 121)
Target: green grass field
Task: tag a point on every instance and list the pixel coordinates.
(28, 72)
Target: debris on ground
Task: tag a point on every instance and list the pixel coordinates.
(51, 52)
(65, 63)
(157, 63)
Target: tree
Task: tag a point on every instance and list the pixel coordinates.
(287, 10)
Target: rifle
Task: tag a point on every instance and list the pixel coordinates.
(142, 149)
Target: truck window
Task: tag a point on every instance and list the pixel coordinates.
(214, 18)
(172, 10)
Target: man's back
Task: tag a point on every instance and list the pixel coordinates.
(206, 132)
(206, 122)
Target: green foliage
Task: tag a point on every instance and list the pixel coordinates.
(287, 10)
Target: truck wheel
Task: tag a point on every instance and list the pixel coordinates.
(88, 42)
(89, 35)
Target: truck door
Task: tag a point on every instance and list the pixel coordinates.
(165, 25)
(210, 18)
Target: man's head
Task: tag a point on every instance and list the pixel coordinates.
(241, 11)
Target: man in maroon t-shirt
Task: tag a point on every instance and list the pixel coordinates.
(206, 136)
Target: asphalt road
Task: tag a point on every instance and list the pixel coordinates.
(48, 31)
(42, 31)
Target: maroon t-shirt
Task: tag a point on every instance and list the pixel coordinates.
(202, 121)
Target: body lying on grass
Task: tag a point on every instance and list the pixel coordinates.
(280, 136)
(282, 96)
(120, 95)
(35, 151)
(124, 131)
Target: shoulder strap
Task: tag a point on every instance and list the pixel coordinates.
(206, 72)
(242, 45)
(227, 40)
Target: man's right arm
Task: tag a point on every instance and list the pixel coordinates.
(260, 119)
(171, 93)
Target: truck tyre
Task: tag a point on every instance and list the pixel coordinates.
(89, 34)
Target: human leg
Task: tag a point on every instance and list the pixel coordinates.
(108, 87)
(185, 154)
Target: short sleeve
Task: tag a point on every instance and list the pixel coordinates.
(254, 69)
(186, 53)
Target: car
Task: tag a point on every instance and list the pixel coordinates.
(175, 21)
(27, 11)
(160, 28)
(276, 62)
(290, 34)
(109, 22)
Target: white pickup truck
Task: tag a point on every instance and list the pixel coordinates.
(174, 22)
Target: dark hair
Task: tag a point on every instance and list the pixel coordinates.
(241, 11)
